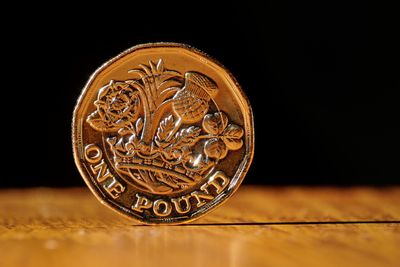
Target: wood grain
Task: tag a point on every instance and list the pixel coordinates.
(259, 226)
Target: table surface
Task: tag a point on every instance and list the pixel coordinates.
(258, 226)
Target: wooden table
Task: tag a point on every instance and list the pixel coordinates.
(259, 226)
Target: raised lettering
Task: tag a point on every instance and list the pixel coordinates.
(219, 181)
(93, 153)
(162, 207)
(182, 204)
(200, 197)
(141, 203)
(178, 204)
(101, 171)
(115, 188)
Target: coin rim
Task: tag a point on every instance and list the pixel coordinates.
(240, 172)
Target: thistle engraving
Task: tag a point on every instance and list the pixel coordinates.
(163, 128)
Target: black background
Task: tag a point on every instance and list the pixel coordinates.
(323, 80)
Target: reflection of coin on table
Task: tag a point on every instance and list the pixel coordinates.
(162, 133)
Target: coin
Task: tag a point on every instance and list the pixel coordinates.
(162, 133)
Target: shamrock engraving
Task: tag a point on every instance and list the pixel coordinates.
(225, 136)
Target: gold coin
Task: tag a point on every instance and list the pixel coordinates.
(162, 133)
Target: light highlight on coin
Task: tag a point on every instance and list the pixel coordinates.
(162, 133)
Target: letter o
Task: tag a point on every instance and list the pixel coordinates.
(89, 149)
(162, 207)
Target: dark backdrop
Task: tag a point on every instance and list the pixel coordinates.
(323, 81)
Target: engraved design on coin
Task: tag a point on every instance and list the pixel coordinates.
(163, 128)
(162, 133)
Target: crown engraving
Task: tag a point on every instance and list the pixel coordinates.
(164, 129)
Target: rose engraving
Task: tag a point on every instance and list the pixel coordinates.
(117, 106)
